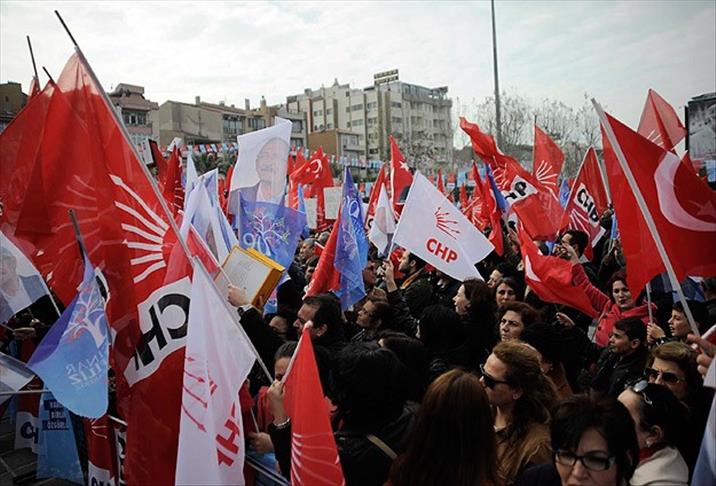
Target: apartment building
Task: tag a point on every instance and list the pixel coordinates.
(418, 117)
(137, 112)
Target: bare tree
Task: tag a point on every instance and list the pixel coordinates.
(515, 119)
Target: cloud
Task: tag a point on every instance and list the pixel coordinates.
(231, 50)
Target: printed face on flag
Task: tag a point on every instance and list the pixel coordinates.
(20, 282)
(260, 172)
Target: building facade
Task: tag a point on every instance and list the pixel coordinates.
(137, 112)
(12, 100)
(210, 123)
(418, 117)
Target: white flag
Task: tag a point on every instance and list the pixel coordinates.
(431, 227)
(382, 227)
(218, 360)
(192, 179)
(20, 282)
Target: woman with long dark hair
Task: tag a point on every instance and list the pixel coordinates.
(453, 441)
(475, 305)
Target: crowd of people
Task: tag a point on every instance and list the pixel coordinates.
(434, 381)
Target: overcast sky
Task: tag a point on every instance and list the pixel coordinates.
(229, 51)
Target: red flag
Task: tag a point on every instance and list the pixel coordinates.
(681, 204)
(400, 176)
(476, 210)
(587, 199)
(441, 185)
(326, 278)
(159, 160)
(170, 182)
(314, 455)
(315, 175)
(81, 160)
(551, 277)
(101, 467)
(463, 196)
(547, 161)
(374, 194)
(659, 122)
(536, 206)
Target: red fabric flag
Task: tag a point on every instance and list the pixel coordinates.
(659, 122)
(315, 175)
(159, 160)
(587, 199)
(82, 161)
(101, 466)
(400, 176)
(440, 185)
(476, 210)
(463, 196)
(681, 204)
(170, 183)
(551, 277)
(314, 455)
(547, 161)
(326, 278)
(374, 194)
(536, 206)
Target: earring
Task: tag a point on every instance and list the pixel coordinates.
(648, 443)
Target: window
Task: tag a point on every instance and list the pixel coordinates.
(296, 126)
(395, 104)
(357, 107)
(329, 126)
(396, 119)
(329, 111)
(348, 109)
(372, 121)
(357, 123)
(317, 112)
(371, 105)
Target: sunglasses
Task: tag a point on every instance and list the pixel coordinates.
(666, 376)
(489, 381)
(594, 461)
(640, 389)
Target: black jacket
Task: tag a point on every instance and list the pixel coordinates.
(614, 374)
(362, 461)
(419, 294)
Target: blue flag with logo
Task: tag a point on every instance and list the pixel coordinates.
(72, 358)
(272, 229)
(352, 245)
(564, 193)
(302, 209)
(56, 448)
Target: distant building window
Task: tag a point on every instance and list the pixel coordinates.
(317, 112)
(329, 126)
(357, 107)
(329, 111)
(395, 104)
(371, 105)
(348, 109)
(296, 126)
(396, 119)
(357, 123)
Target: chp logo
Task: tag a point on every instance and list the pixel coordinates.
(584, 215)
(444, 223)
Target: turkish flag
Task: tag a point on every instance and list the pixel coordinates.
(659, 122)
(587, 199)
(536, 206)
(315, 174)
(681, 204)
(550, 277)
(547, 161)
(314, 455)
(78, 158)
(326, 278)
(400, 176)
(374, 195)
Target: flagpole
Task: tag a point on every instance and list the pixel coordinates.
(234, 316)
(32, 57)
(128, 139)
(48, 75)
(646, 214)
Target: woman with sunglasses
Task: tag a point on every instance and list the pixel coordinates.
(594, 444)
(673, 364)
(522, 398)
(659, 421)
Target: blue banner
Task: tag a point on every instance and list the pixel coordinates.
(56, 448)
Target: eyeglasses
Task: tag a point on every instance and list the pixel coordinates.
(489, 381)
(594, 461)
(640, 388)
(666, 376)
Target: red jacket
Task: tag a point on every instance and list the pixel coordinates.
(609, 311)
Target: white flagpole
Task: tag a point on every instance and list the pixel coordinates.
(646, 213)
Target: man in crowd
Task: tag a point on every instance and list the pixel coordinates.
(624, 360)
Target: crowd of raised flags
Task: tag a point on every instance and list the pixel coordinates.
(150, 248)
